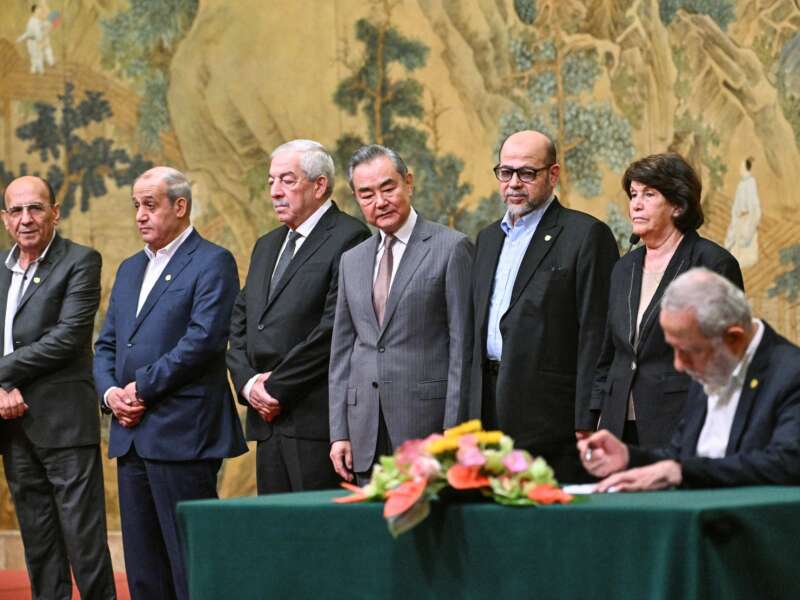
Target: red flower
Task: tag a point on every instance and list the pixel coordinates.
(358, 494)
(403, 497)
(466, 478)
(549, 494)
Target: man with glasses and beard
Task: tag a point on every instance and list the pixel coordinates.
(741, 425)
(540, 293)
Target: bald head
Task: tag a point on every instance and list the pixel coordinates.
(30, 215)
(35, 185)
(176, 184)
(527, 171)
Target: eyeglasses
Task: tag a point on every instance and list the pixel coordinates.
(35, 209)
(525, 174)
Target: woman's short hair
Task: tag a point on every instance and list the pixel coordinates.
(678, 182)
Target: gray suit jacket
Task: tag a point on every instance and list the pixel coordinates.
(412, 365)
(51, 364)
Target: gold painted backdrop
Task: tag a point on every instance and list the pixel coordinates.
(92, 92)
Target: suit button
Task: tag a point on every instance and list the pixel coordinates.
(381, 349)
(374, 384)
(261, 327)
(633, 365)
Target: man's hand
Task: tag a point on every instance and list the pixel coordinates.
(658, 476)
(602, 454)
(126, 408)
(11, 404)
(342, 459)
(267, 407)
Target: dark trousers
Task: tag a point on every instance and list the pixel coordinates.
(58, 495)
(383, 447)
(149, 491)
(287, 464)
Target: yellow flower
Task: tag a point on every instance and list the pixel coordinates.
(466, 427)
(489, 437)
(442, 445)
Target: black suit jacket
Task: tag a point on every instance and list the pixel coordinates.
(51, 364)
(552, 332)
(659, 391)
(764, 443)
(291, 334)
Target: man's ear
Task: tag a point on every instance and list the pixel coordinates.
(735, 339)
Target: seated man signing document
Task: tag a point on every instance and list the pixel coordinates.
(741, 425)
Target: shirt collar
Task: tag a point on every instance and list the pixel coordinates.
(306, 227)
(172, 247)
(13, 255)
(527, 220)
(406, 229)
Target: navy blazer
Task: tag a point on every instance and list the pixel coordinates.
(175, 351)
(764, 443)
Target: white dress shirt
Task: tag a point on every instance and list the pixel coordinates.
(402, 236)
(304, 230)
(20, 280)
(158, 261)
(722, 404)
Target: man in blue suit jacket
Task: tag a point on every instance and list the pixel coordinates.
(160, 368)
(741, 425)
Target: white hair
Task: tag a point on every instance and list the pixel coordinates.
(315, 160)
(716, 302)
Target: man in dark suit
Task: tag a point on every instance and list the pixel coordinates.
(741, 424)
(397, 353)
(160, 368)
(540, 293)
(50, 433)
(283, 319)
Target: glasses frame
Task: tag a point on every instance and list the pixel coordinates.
(518, 172)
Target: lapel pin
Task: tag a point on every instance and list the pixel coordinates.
(753, 383)
(548, 237)
(36, 279)
(168, 277)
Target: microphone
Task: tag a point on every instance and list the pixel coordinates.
(633, 240)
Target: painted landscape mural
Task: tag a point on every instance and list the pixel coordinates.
(93, 92)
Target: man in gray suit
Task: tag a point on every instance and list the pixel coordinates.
(50, 428)
(398, 335)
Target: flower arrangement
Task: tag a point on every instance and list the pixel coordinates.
(464, 458)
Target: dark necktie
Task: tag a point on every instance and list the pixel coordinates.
(380, 289)
(283, 262)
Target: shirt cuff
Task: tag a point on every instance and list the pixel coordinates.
(249, 386)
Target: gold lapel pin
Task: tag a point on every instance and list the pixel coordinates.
(753, 383)
(36, 279)
(548, 237)
(168, 277)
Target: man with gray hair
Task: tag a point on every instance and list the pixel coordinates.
(741, 425)
(397, 357)
(159, 367)
(283, 318)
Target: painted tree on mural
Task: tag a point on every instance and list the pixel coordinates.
(139, 43)
(788, 283)
(394, 112)
(721, 11)
(79, 164)
(554, 75)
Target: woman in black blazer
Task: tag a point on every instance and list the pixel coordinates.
(637, 393)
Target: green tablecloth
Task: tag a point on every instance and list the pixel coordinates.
(741, 543)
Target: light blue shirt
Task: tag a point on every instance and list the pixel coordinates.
(518, 237)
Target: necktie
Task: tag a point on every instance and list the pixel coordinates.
(380, 289)
(283, 262)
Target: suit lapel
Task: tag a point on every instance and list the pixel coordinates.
(543, 239)
(318, 236)
(181, 258)
(54, 254)
(270, 259)
(677, 264)
(363, 279)
(5, 283)
(756, 373)
(414, 253)
(697, 403)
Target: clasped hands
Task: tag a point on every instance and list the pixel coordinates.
(603, 455)
(126, 405)
(265, 405)
(11, 404)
